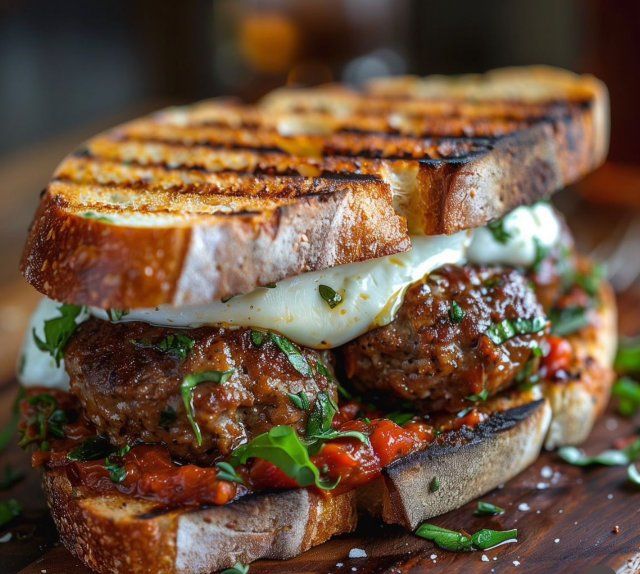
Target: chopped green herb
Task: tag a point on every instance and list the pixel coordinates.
(482, 396)
(258, 337)
(237, 568)
(9, 509)
(94, 448)
(227, 472)
(300, 400)
(167, 417)
(484, 539)
(176, 345)
(507, 329)
(293, 353)
(271, 286)
(327, 374)
(628, 393)
(117, 472)
(331, 297)
(399, 417)
(8, 432)
(116, 314)
(456, 313)
(10, 477)
(500, 234)
(567, 321)
(189, 383)
(47, 422)
(611, 457)
(592, 280)
(282, 447)
(542, 252)
(488, 509)
(58, 331)
(633, 474)
(628, 356)
(434, 485)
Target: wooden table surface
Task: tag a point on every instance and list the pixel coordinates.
(566, 523)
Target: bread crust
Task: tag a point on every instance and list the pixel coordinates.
(215, 199)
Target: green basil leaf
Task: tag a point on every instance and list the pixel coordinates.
(237, 568)
(9, 509)
(293, 353)
(282, 447)
(58, 331)
(300, 400)
(628, 393)
(399, 417)
(321, 416)
(177, 345)
(577, 457)
(258, 337)
(486, 539)
(628, 356)
(483, 395)
(633, 474)
(542, 252)
(444, 538)
(94, 448)
(568, 321)
(10, 477)
(488, 509)
(117, 472)
(227, 472)
(322, 369)
(331, 297)
(189, 383)
(508, 329)
(592, 280)
(456, 313)
(48, 421)
(497, 229)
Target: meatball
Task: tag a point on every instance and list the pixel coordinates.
(436, 351)
(128, 379)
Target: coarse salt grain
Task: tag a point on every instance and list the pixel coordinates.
(557, 540)
(433, 556)
(339, 565)
(609, 496)
(546, 472)
(8, 536)
(516, 563)
(484, 558)
(357, 553)
(542, 485)
(524, 507)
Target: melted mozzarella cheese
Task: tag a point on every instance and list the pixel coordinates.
(296, 309)
(38, 368)
(528, 228)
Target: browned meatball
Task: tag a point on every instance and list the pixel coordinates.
(131, 391)
(430, 353)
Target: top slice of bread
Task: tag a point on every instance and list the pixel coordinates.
(198, 203)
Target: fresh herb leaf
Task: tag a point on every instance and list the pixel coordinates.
(434, 485)
(577, 457)
(321, 417)
(331, 297)
(58, 331)
(270, 286)
(484, 539)
(633, 474)
(116, 314)
(322, 369)
(293, 353)
(117, 472)
(94, 448)
(227, 472)
(177, 345)
(628, 356)
(497, 229)
(456, 313)
(488, 509)
(628, 393)
(258, 337)
(567, 321)
(591, 280)
(167, 417)
(300, 400)
(9, 509)
(189, 383)
(482, 396)
(237, 568)
(45, 421)
(541, 253)
(508, 329)
(10, 477)
(282, 447)
(399, 417)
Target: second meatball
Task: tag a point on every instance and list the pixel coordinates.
(438, 350)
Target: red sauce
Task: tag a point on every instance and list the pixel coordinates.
(559, 357)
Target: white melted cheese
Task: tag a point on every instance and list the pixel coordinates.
(526, 227)
(371, 292)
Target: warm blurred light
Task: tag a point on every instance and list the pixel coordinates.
(309, 74)
(269, 41)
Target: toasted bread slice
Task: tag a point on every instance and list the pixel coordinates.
(200, 203)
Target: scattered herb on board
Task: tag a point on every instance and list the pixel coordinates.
(488, 509)
(484, 539)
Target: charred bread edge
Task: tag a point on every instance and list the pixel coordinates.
(117, 534)
(86, 262)
(489, 455)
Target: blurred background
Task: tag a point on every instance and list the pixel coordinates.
(69, 68)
